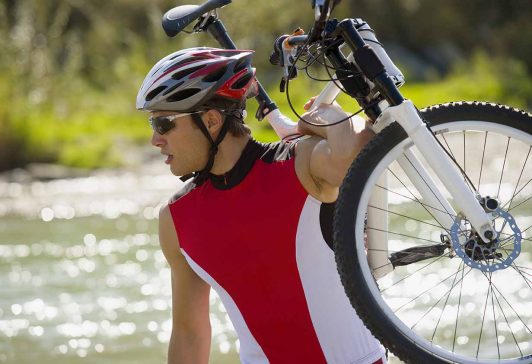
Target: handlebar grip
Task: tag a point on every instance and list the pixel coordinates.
(276, 57)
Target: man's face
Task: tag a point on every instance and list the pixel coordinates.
(185, 146)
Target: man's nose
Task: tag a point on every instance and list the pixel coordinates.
(157, 140)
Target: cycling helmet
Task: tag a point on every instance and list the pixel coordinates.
(199, 78)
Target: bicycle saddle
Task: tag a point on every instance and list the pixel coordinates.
(178, 18)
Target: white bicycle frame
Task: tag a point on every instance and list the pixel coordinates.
(408, 117)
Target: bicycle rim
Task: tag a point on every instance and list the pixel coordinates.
(458, 309)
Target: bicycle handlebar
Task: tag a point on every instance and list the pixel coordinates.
(365, 59)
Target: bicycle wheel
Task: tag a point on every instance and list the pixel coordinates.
(459, 300)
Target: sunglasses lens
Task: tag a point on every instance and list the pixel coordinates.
(162, 124)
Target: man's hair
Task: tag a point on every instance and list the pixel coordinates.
(235, 121)
(236, 126)
(233, 114)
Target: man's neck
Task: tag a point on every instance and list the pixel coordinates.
(229, 151)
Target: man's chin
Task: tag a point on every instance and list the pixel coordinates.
(174, 171)
(178, 172)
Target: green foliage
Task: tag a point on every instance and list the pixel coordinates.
(87, 127)
(70, 70)
(482, 79)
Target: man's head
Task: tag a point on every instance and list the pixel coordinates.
(203, 92)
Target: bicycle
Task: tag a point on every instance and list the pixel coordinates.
(430, 224)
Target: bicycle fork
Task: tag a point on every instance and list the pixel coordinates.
(437, 205)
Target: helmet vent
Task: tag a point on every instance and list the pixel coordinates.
(224, 53)
(243, 81)
(241, 64)
(184, 73)
(154, 93)
(216, 75)
(181, 95)
(172, 88)
(189, 60)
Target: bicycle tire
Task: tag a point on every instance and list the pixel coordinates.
(373, 303)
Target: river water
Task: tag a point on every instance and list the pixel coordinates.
(83, 279)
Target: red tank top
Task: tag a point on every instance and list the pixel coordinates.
(258, 238)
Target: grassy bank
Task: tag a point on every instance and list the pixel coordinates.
(74, 123)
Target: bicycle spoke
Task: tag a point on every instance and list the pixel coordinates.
(405, 235)
(528, 281)
(468, 182)
(458, 310)
(422, 293)
(447, 212)
(512, 235)
(397, 251)
(380, 266)
(463, 134)
(508, 323)
(448, 294)
(416, 200)
(509, 305)
(495, 321)
(528, 228)
(412, 274)
(472, 186)
(507, 240)
(430, 189)
(505, 318)
(522, 202)
(519, 179)
(407, 217)
(525, 268)
(448, 147)
(445, 294)
(383, 250)
(503, 165)
(515, 194)
(483, 318)
(482, 161)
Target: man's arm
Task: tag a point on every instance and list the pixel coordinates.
(191, 331)
(323, 160)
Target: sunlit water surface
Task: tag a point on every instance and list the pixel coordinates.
(81, 274)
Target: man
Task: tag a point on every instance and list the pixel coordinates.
(251, 223)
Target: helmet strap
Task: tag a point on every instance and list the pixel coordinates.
(201, 176)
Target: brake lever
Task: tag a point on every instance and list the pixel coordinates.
(288, 53)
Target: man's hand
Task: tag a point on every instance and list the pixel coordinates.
(325, 114)
(325, 158)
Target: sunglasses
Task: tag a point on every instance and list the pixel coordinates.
(163, 124)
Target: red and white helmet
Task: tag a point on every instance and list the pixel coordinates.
(196, 78)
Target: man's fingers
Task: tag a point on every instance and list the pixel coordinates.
(309, 103)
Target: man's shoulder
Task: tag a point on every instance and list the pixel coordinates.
(184, 190)
(277, 151)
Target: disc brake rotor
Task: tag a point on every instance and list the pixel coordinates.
(492, 256)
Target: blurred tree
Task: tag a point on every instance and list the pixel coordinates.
(92, 38)
(69, 63)
(439, 31)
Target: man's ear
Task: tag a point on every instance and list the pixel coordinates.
(213, 120)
